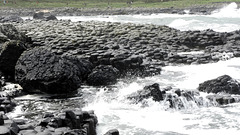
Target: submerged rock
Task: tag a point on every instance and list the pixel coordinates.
(173, 97)
(112, 132)
(40, 69)
(223, 83)
(221, 99)
(151, 91)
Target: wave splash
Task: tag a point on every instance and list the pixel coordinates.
(196, 115)
(229, 11)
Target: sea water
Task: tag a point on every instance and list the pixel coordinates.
(222, 20)
(115, 111)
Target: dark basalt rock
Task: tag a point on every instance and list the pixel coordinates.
(38, 15)
(221, 84)
(12, 44)
(176, 98)
(40, 69)
(202, 39)
(12, 18)
(13, 34)
(51, 17)
(112, 132)
(72, 122)
(9, 54)
(147, 92)
(103, 75)
(2, 82)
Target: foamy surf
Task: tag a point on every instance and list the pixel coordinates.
(156, 118)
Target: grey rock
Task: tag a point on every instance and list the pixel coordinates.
(12, 33)
(51, 17)
(11, 18)
(39, 15)
(151, 91)
(223, 83)
(103, 75)
(112, 132)
(40, 69)
(7, 59)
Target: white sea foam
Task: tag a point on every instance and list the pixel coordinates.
(229, 11)
(155, 118)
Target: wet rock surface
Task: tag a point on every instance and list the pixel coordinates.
(223, 99)
(173, 97)
(103, 75)
(182, 99)
(78, 122)
(112, 132)
(7, 94)
(40, 69)
(224, 84)
(152, 91)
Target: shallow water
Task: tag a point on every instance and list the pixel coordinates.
(114, 110)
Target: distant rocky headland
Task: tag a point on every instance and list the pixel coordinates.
(69, 11)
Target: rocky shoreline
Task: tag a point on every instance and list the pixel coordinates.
(57, 56)
(68, 11)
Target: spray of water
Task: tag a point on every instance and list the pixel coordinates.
(229, 11)
(195, 116)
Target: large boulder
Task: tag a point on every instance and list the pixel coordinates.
(51, 17)
(12, 33)
(223, 83)
(9, 53)
(152, 91)
(38, 15)
(40, 69)
(103, 75)
(11, 18)
(12, 44)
